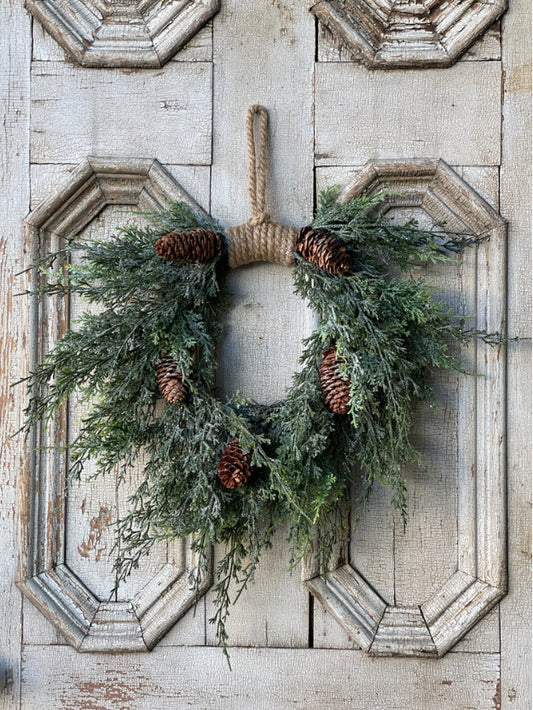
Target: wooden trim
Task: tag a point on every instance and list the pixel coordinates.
(397, 37)
(87, 623)
(145, 35)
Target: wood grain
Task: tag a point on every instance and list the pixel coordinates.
(198, 49)
(79, 112)
(406, 36)
(190, 115)
(516, 203)
(456, 518)
(449, 114)
(15, 55)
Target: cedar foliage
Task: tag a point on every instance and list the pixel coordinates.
(388, 331)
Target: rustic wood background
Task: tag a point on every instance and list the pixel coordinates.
(329, 115)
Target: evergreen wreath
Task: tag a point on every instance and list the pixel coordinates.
(231, 472)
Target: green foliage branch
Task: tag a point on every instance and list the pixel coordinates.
(389, 328)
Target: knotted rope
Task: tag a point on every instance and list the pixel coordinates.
(259, 239)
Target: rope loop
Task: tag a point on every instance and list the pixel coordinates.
(257, 163)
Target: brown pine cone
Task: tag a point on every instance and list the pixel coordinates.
(336, 390)
(170, 380)
(323, 251)
(198, 245)
(234, 465)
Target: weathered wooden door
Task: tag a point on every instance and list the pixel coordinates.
(101, 117)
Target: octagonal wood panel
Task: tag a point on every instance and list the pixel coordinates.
(122, 33)
(433, 626)
(88, 622)
(401, 33)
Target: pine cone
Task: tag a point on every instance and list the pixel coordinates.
(234, 466)
(170, 380)
(323, 251)
(198, 245)
(336, 390)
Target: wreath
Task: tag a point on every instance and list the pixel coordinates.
(233, 471)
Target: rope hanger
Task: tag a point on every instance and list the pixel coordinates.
(257, 162)
(259, 239)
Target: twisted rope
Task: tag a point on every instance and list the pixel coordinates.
(259, 239)
(257, 163)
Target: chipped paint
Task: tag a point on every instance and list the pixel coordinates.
(97, 526)
(518, 80)
(497, 699)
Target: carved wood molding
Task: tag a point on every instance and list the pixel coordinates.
(392, 34)
(88, 623)
(122, 33)
(480, 581)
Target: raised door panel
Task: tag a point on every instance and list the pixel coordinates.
(456, 528)
(66, 564)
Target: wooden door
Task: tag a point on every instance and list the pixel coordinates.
(155, 119)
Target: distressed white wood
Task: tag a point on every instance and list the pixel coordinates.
(122, 34)
(372, 541)
(461, 602)
(251, 343)
(15, 51)
(91, 510)
(37, 629)
(451, 114)
(389, 35)
(262, 679)
(516, 207)
(484, 637)
(328, 632)
(480, 580)
(456, 442)
(46, 179)
(352, 602)
(403, 631)
(198, 181)
(88, 622)
(267, 322)
(78, 112)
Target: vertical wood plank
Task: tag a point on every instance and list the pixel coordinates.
(263, 53)
(37, 629)
(516, 203)
(430, 535)
(15, 56)
(93, 506)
